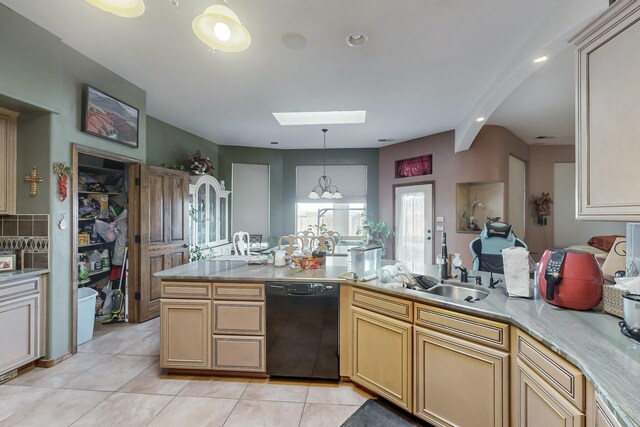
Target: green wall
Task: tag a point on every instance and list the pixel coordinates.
(283, 176)
(42, 78)
(168, 144)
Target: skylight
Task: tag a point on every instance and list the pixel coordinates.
(320, 118)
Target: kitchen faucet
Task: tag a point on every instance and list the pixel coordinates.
(493, 283)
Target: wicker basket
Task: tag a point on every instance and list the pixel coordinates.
(612, 300)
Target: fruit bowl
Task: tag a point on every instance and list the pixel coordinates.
(309, 261)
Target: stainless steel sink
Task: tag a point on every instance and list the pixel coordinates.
(459, 292)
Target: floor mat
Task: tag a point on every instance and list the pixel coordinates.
(379, 413)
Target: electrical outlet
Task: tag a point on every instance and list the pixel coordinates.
(439, 227)
(439, 219)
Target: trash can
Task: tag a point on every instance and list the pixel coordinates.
(86, 314)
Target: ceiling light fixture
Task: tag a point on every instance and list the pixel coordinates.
(480, 119)
(321, 118)
(123, 8)
(541, 59)
(220, 28)
(357, 39)
(324, 189)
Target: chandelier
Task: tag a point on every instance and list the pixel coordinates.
(324, 189)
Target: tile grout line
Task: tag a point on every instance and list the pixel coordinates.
(160, 411)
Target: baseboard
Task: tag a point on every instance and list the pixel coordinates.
(49, 363)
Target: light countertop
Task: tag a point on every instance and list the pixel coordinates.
(590, 340)
(21, 274)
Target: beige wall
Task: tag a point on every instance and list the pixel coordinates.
(542, 159)
(486, 160)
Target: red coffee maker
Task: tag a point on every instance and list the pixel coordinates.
(570, 279)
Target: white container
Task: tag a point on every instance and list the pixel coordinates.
(86, 314)
(633, 249)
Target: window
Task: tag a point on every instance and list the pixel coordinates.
(341, 217)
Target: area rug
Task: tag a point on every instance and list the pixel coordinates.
(379, 413)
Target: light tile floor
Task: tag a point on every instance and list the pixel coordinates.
(115, 379)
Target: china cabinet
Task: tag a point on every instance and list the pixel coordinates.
(209, 211)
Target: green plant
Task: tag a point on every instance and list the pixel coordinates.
(372, 231)
(318, 229)
(197, 252)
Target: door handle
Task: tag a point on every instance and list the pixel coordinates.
(428, 238)
(185, 246)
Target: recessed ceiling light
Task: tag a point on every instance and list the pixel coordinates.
(480, 119)
(274, 143)
(541, 59)
(357, 39)
(320, 118)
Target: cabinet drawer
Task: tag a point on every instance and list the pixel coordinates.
(383, 304)
(20, 288)
(239, 353)
(560, 374)
(188, 290)
(604, 417)
(238, 318)
(239, 291)
(483, 331)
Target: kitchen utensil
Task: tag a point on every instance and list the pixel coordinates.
(570, 279)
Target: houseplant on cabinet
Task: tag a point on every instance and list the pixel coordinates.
(372, 231)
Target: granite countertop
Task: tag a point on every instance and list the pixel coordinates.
(590, 340)
(21, 274)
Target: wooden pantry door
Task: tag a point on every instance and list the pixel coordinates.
(164, 232)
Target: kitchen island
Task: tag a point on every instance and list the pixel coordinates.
(589, 341)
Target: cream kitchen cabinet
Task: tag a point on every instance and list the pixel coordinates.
(381, 349)
(598, 413)
(8, 150)
(185, 334)
(546, 389)
(607, 127)
(212, 326)
(466, 367)
(22, 324)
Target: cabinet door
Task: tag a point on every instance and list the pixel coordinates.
(537, 404)
(451, 373)
(20, 332)
(8, 161)
(608, 125)
(239, 353)
(185, 334)
(381, 355)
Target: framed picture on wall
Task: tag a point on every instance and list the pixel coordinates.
(109, 118)
(7, 262)
(415, 166)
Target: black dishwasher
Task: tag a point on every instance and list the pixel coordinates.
(302, 330)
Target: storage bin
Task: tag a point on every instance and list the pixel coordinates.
(86, 314)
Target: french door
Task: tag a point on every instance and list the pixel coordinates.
(414, 225)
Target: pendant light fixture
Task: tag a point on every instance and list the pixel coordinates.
(220, 28)
(124, 8)
(324, 189)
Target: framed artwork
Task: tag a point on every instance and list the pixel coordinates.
(415, 166)
(7, 262)
(109, 118)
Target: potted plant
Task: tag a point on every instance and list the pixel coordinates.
(372, 231)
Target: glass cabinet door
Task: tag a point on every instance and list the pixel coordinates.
(223, 219)
(201, 200)
(212, 218)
